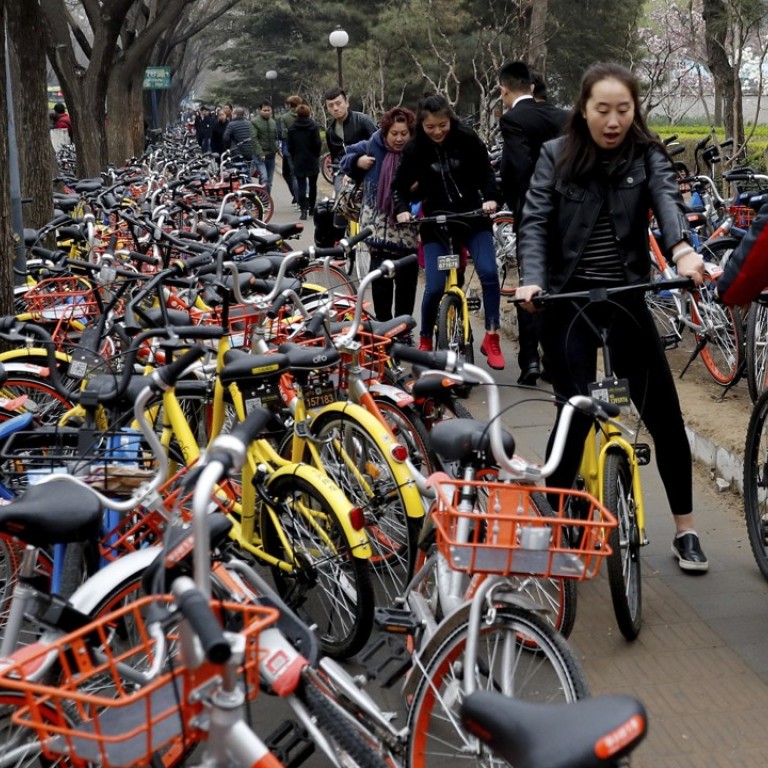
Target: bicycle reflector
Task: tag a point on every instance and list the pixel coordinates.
(399, 452)
(357, 518)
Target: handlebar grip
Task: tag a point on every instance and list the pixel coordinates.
(438, 360)
(398, 264)
(351, 242)
(703, 143)
(169, 373)
(195, 608)
(315, 324)
(248, 429)
(276, 306)
(143, 258)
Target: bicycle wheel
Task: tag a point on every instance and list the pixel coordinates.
(720, 332)
(327, 586)
(10, 559)
(42, 399)
(326, 167)
(719, 250)
(756, 482)
(336, 279)
(267, 204)
(450, 328)
(756, 349)
(624, 561)
(518, 654)
(19, 747)
(362, 261)
(505, 244)
(343, 731)
(410, 430)
(361, 466)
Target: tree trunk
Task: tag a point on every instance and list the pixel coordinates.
(125, 132)
(715, 15)
(6, 225)
(37, 163)
(537, 46)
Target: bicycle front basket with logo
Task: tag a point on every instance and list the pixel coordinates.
(349, 200)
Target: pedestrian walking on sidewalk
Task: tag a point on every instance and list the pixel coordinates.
(305, 145)
(584, 226)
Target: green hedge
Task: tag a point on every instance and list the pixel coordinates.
(691, 135)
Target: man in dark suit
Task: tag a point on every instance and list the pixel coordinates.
(525, 126)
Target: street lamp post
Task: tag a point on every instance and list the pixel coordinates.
(272, 76)
(338, 39)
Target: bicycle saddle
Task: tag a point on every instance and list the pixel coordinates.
(461, 439)
(590, 733)
(55, 512)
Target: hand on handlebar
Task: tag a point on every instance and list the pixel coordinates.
(404, 217)
(525, 293)
(691, 264)
(490, 206)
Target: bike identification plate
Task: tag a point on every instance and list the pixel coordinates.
(614, 391)
(448, 261)
(317, 397)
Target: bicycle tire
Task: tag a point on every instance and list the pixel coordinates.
(42, 398)
(391, 531)
(267, 204)
(326, 167)
(722, 330)
(756, 349)
(409, 429)
(549, 673)
(505, 245)
(347, 736)
(329, 587)
(756, 482)
(623, 564)
(450, 328)
(11, 550)
(719, 250)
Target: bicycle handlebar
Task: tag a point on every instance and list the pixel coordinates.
(196, 609)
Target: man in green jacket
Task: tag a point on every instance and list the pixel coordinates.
(265, 129)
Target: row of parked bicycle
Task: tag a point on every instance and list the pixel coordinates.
(224, 476)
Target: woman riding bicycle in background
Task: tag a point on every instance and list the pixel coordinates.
(375, 162)
(446, 166)
(585, 225)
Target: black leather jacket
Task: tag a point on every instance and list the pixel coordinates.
(558, 216)
(357, 127)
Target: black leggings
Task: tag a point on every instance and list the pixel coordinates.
(570, 354)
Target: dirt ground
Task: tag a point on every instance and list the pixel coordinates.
(722, 416)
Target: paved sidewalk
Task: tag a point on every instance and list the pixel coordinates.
(700, 664)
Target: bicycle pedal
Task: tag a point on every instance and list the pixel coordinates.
(386, 660)
(474, 303)
(643, 454)
(290, 743)
(670, 341)
(398, 621)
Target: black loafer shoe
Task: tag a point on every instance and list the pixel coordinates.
(529, 375)
(689, 554)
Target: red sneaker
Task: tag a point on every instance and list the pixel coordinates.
(425, 343)
(491, 348)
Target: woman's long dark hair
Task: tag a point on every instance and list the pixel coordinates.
(581, 154)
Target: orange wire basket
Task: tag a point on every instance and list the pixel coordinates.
(95, 714)
(510, 536)
(743, 216)
(62, 298)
